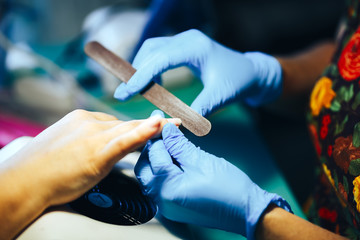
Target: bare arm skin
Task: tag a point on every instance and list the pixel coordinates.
(64, 161)
(278, 224)
(301, 70)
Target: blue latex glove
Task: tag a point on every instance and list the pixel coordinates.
(226, 74)
(193, 186)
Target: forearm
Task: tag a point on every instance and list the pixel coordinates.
(279, 224)
(300, 71)
(21, 200)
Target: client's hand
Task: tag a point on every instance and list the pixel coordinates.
(75, 153)
(64, 161)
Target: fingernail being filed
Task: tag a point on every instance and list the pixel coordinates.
(154, 120)
(159, 114)
(176, 121)
(121, 93)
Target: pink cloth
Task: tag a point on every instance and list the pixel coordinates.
(12, 127)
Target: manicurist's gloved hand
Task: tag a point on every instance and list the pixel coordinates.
(193, 186)
(227, 75)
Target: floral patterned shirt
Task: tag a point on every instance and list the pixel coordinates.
(334, 124)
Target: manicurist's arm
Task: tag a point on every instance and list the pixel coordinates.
(301, 70)
(65, 161)
(278, 224)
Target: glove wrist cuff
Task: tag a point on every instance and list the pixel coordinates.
(269, 78)
(253, 219)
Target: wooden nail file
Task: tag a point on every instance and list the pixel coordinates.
(155, 93)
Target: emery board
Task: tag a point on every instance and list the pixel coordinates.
(154, 93)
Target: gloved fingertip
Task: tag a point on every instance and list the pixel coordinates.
(201, 103)
(176, 143)
(121, 93)
(157, 112)
(170, 130)
(200, 110)
(196, 108)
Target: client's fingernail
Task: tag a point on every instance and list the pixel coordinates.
(176, 121)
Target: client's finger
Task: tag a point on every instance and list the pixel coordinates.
(117, 129)
(125, 142)
(103, 116)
